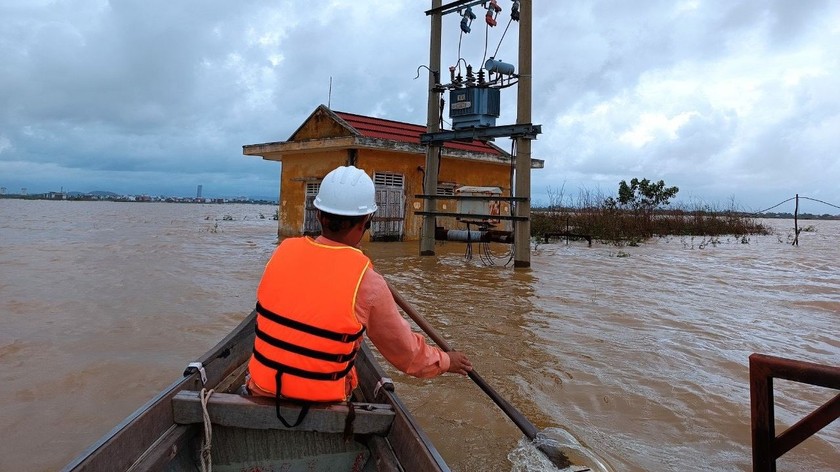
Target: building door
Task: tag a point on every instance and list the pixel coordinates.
(311, 226)
(388, 221)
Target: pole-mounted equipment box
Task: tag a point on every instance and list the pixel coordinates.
(473, 107)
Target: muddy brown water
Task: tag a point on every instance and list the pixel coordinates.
(639, 353)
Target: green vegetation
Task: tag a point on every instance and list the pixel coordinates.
(640, 211)
(642, 195)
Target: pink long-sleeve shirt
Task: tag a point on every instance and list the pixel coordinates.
(388, 330)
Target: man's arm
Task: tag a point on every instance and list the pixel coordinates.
(392, 335)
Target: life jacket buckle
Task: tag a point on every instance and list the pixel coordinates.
(196, 366)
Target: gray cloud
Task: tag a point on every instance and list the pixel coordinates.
(726, 100)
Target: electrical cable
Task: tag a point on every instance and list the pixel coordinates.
(512, 166)
(513, 204)
(794, 198)
(485, 252)
(440, 118)
(420, 67)
(819, 201)
(512, 248)
(512, 253)
(774, 206)
(486, 256)
(460, 37)
(502, 38)
(486, 40)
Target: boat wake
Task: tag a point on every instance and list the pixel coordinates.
(527, 458)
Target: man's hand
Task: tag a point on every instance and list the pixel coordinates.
(458, 363)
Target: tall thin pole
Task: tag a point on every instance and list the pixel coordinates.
(522, 228)
(430, 181)
(796, 222)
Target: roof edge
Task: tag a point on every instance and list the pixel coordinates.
(326, 110)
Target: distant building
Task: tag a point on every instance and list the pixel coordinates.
(391, 153)
(198, 192)
(2, 190)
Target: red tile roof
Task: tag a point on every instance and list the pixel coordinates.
(370, 127)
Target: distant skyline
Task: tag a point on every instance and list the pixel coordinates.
(195, 193)
(729, 101)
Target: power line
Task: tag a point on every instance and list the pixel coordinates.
(778, 204)
(794, 198)
(820, 201)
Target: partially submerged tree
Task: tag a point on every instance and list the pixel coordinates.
(630, 217)
(645, 195)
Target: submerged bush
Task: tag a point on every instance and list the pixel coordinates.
(603, 220)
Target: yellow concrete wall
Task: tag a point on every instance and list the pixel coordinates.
(457, 171)
(297, 167)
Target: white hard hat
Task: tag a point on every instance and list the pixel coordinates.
(346, 191)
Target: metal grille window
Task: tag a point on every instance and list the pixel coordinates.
(387, 179)
(446, 189)
(310, 221)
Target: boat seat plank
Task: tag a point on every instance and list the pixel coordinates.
(253, 412)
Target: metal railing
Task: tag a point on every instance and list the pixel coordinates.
(766, 446)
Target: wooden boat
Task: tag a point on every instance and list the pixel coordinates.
(168, 432)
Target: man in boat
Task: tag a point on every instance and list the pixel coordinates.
(317, 298)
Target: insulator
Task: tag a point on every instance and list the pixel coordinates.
(489, 18)
(470, 76)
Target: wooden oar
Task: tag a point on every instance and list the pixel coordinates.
(557, 457)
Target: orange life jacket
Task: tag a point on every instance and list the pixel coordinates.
(307, 331)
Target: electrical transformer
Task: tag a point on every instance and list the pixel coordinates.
(473, 107)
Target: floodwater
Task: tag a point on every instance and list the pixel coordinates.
(640, 354)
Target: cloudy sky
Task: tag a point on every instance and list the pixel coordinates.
(731, 101)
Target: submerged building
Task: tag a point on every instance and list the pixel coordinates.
(391, 153)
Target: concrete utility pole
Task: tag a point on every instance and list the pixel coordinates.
(430, 181)
(522, 228)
